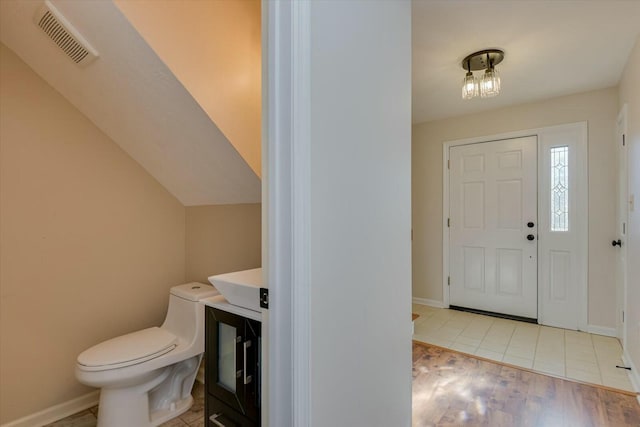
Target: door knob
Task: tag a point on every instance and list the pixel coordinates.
(616, 243)
(530, 237)
(530, 224)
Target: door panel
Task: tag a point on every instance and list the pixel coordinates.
(510, 204)
(510, 160)
(473, 205)
(559, 275)
(509, 269)
(493, 195)
(473, 163)
(474, 268)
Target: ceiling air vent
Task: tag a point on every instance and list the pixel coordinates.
(56, 26)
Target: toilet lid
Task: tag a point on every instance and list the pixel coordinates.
(130, 349)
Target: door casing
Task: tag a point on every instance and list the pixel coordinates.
(622, 222)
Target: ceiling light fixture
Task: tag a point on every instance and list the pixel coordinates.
(489, 85)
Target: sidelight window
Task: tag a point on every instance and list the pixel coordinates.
(560, 188)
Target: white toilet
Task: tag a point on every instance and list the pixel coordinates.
(146, 377)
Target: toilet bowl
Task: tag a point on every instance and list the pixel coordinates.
(145, 377)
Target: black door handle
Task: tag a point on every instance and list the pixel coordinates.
(530, 224)
(617, 243)
(530, 237)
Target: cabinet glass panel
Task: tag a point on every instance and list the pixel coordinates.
(227, 356)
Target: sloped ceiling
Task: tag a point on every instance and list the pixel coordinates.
(552, 48)
(132, 96)
(214, 49)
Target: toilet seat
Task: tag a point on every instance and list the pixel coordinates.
(126, 350)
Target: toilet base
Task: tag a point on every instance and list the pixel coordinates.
(136, 410)
(138, 406)
(163, 415)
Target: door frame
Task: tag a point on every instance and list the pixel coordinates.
(622, 281)
(582, 205)
(286, 207)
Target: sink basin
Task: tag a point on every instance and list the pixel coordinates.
(241, 288)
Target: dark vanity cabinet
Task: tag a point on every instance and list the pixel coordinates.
(232, 370)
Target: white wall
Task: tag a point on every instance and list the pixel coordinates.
(599, 109)
(360, 213)
(630, 94)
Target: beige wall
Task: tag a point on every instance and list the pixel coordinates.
(599, 108)
(221, 239)
(630, 94)
(213, 48)
(90, 242)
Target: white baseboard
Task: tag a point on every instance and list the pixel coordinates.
(429, 302)
(602, 330)
(57, 412)
(634, 375)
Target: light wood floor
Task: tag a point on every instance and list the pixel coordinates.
(453, 389)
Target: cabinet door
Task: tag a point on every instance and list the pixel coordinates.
(225, 344)
(251, 378)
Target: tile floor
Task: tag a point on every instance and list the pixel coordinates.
(194, 417)
(569, 354)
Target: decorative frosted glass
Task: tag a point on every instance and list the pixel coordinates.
(560, 188)
(227, 356)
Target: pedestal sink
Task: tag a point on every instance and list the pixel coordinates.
(241, 288)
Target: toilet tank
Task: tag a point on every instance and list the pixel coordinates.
(194, 291)
(185, 315)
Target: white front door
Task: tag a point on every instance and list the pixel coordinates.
(493, 226)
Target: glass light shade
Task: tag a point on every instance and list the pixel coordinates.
(469, 86)
(490, 83)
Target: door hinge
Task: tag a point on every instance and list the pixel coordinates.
(624, 228)
(623, 140)
(448, 164)
(448, 280)
(264, 298)
(622, 316)
(448, 222)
